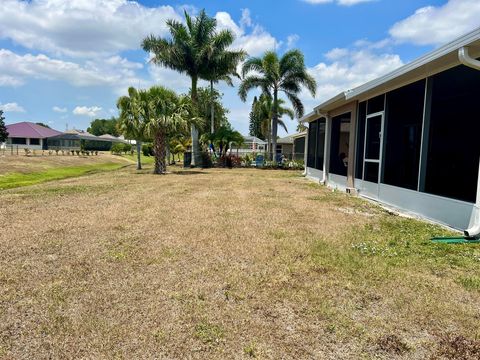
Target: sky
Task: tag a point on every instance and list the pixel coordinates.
(65, 62)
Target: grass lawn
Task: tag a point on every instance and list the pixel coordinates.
(222, 264)
(20, 171)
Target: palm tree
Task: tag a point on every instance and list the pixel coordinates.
(264, 111)
(273, 75)
(223, 65)
(131, 123)
(163, 112)
(224, 137)
(192, 50)
(180, 145)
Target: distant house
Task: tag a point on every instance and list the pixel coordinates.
(292, 146)
(252, 144)
(28, 135)
(299, 143)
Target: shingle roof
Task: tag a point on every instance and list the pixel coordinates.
(30, 130)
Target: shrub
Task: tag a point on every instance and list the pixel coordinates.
(78, 152)
(206, 160)
(73, 152)
(117, 148)
(147, 149)
(127, 148)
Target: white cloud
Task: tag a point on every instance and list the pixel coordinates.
(12, 107)
(348, 68)
(87, 111)
(115, 72)
(434, 25)
(252, 38)
(59, 109)
(87, 28)
(292, 40)
(339, 2)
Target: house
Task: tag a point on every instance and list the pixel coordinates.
(409, 139)
(299, 145)
(252, 144)
(292, 146)
(28, 135)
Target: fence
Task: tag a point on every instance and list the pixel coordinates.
(280, 156)
(20, 150)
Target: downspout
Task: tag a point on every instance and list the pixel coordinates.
(305, 152)
(474, 230)
(326, 148)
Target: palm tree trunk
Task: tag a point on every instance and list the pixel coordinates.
(269, 139)
(159, 148)
(274, 126)
(139, 149)
(193, 130)
(212, 110)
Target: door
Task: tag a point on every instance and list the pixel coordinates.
(372, 154)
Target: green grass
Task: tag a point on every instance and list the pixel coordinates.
(14, 180)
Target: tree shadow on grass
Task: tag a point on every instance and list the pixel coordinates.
(190, 172)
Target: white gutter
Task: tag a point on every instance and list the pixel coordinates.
(466, 59)
(474, 230)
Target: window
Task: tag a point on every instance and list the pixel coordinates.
(362, 113)
(34, 141)
(340, 144)
(319, 157)
(312, 143)
(403, 135)
(453, 151)
(19, 141)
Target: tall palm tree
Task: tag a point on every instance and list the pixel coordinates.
(264, 111)
(131, 123)
(192, 50)
(223, 65)
(274, 75)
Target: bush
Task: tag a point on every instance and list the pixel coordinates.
(147, 149)
(127, 148)
(117, 148)
(230, 161)
(206, 160)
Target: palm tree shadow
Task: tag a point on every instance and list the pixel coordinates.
(190, 172)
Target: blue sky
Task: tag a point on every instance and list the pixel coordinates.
(66, 62)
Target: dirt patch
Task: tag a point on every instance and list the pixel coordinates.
(454, 347)
(392, 344)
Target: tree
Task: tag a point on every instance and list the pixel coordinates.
(164, 113)
(186, 52)
(3, 128)
(301, 127)
(180, 145)
(42, 124)
(222, 65)
(205, 109)
(104, 126)
(131, 123)
(255, 123)
(223, 137)
(274, 75)
(264, 112)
